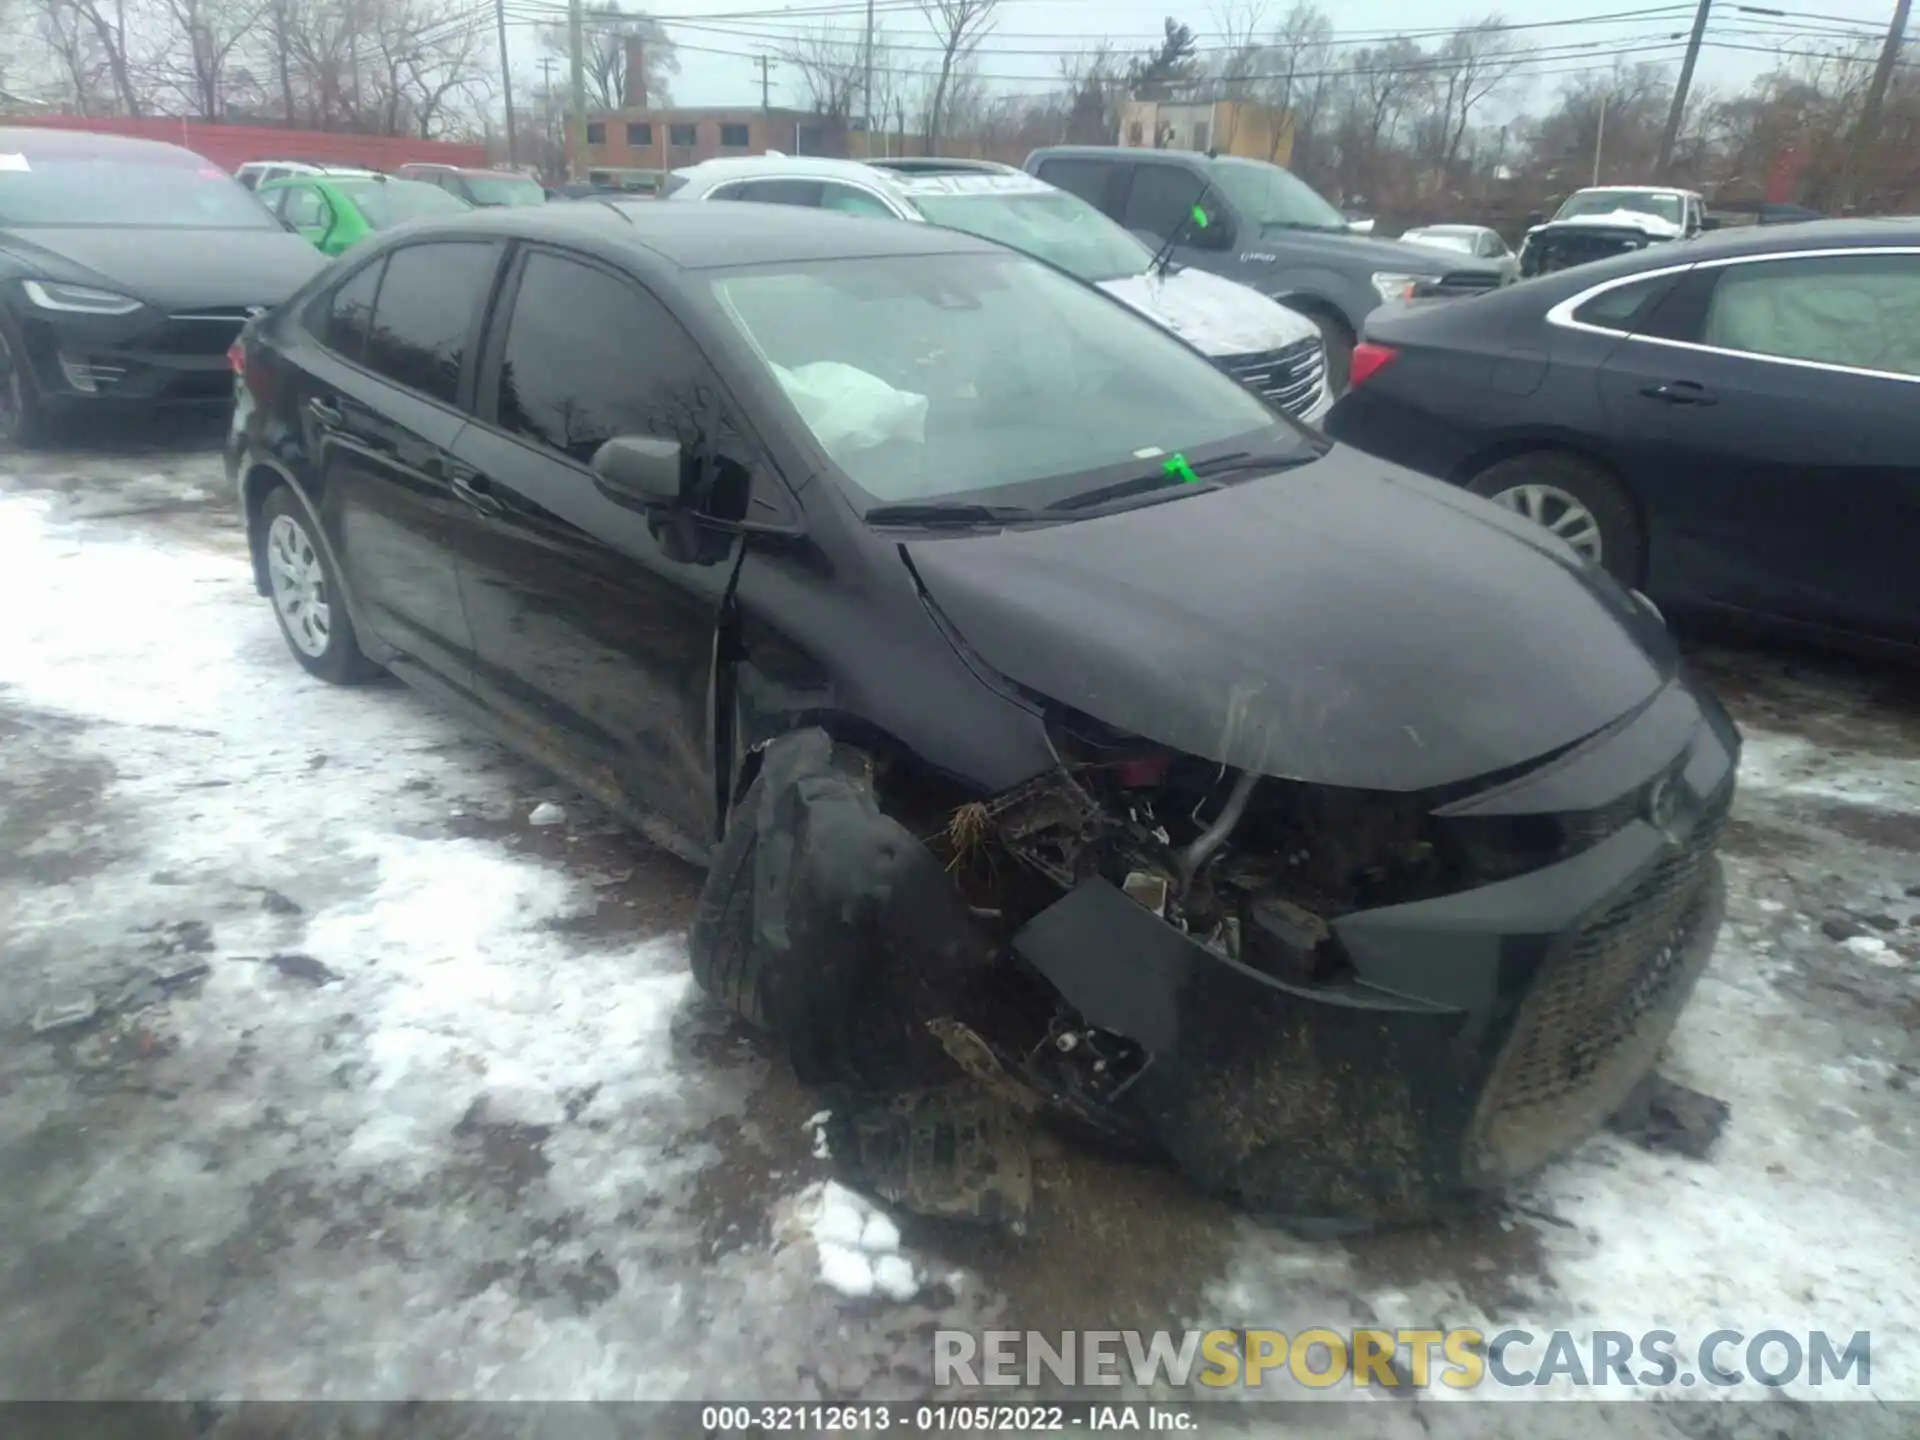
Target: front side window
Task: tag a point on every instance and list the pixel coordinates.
(1160, 197)
(68, 184)
(1267, 195)
(773, 192)
(1088, 179)
(944, 376)
(427, 306)
(1861, 311)
(1059, 228)
(306, 208)
(589, 356)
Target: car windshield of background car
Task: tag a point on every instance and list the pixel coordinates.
(1059, 228)
(82, 190)
(1267, 195)
(505, 190)
(1441, 239)
(940, 376)
(382, 203)
(1606, 202)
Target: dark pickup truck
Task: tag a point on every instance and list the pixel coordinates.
(1265, 228)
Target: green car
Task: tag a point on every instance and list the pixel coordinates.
(337, 211)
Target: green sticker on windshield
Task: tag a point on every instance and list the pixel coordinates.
(1200, 217)
(1181, 470)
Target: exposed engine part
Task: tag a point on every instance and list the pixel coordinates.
(1148, 889)
(1211, 839)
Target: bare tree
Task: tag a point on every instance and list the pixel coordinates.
(958, 26)
(609, 28)
(1475, 63)
(208, 33)
(832, 66)
(1294, 66)
(1095, 84)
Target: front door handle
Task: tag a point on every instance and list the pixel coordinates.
(327, 413)
(471, 488)
(1681, 392)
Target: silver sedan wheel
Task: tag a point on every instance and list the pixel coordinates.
(299, 587)
(1554, 509)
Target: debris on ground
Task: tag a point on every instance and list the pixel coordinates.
(547, 813)
(816, 1126)
(955, 1153)
(1663, 1115)
(1871, 947)
(296, 966)
(65, 1015)
(857, 1243)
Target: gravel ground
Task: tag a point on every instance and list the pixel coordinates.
(393, 1093)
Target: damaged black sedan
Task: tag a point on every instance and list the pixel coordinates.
(1052, 716)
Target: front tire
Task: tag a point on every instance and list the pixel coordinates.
(308, 600)
(720, 948)
(1577, 500)
(1338, 342)
(25, 419)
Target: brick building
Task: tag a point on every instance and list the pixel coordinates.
(637, 138)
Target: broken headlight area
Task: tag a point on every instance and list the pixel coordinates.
(1337, 1005)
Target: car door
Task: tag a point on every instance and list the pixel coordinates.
(382, 423)
(595, 620)
(1786, 392)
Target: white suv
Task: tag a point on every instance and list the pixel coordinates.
(256, 173)
(1270, 349)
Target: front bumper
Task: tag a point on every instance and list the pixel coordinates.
(141, 359)
(1477, 1036)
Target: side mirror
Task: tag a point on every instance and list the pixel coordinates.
(639, 470)
(1710, 222)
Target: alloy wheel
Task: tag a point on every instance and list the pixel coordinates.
(299, 586)
(1552, 508)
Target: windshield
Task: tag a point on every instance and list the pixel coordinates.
(946, 376)
(1606, 202)
(73, 187)
(1267, 195)
(505, 190)
(1441, 240)
(382, 203)
(1061, 229)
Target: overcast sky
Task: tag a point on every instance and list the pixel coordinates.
(1029, 36)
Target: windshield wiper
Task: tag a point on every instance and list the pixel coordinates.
(1170, 480)
(934, 514)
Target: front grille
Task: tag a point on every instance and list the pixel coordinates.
(1566, 250)
(1599, 1011)
(1463, 282)
(202, 332)
(1289, 377)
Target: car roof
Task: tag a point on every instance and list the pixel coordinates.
(1119, 152)
(1632, 190)
(32, 140)
(706, 237)
(925, 177)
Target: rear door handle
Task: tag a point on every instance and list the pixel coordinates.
(327, 413)
(1681, 392)
(471, 488)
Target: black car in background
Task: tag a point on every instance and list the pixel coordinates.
(1733, 424)
(1025, 684)
(1266, 228)
(127, 268)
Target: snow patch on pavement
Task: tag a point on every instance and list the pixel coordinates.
(856, 1242)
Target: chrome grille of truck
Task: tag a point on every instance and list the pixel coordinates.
(1290, 377)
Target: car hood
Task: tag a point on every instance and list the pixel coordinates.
(171, 269)
(1342, 247)
(1344, 623)
(1214, 315)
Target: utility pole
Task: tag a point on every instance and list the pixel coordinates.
(577, 111)
(546, 101)
(1672, 132)
(506, 71)
(867, 92)
(764, 62)
(1600, 136)
(1868, 130)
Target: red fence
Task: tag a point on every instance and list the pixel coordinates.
(231, 146)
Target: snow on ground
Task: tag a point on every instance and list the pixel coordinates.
(443, 1117)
